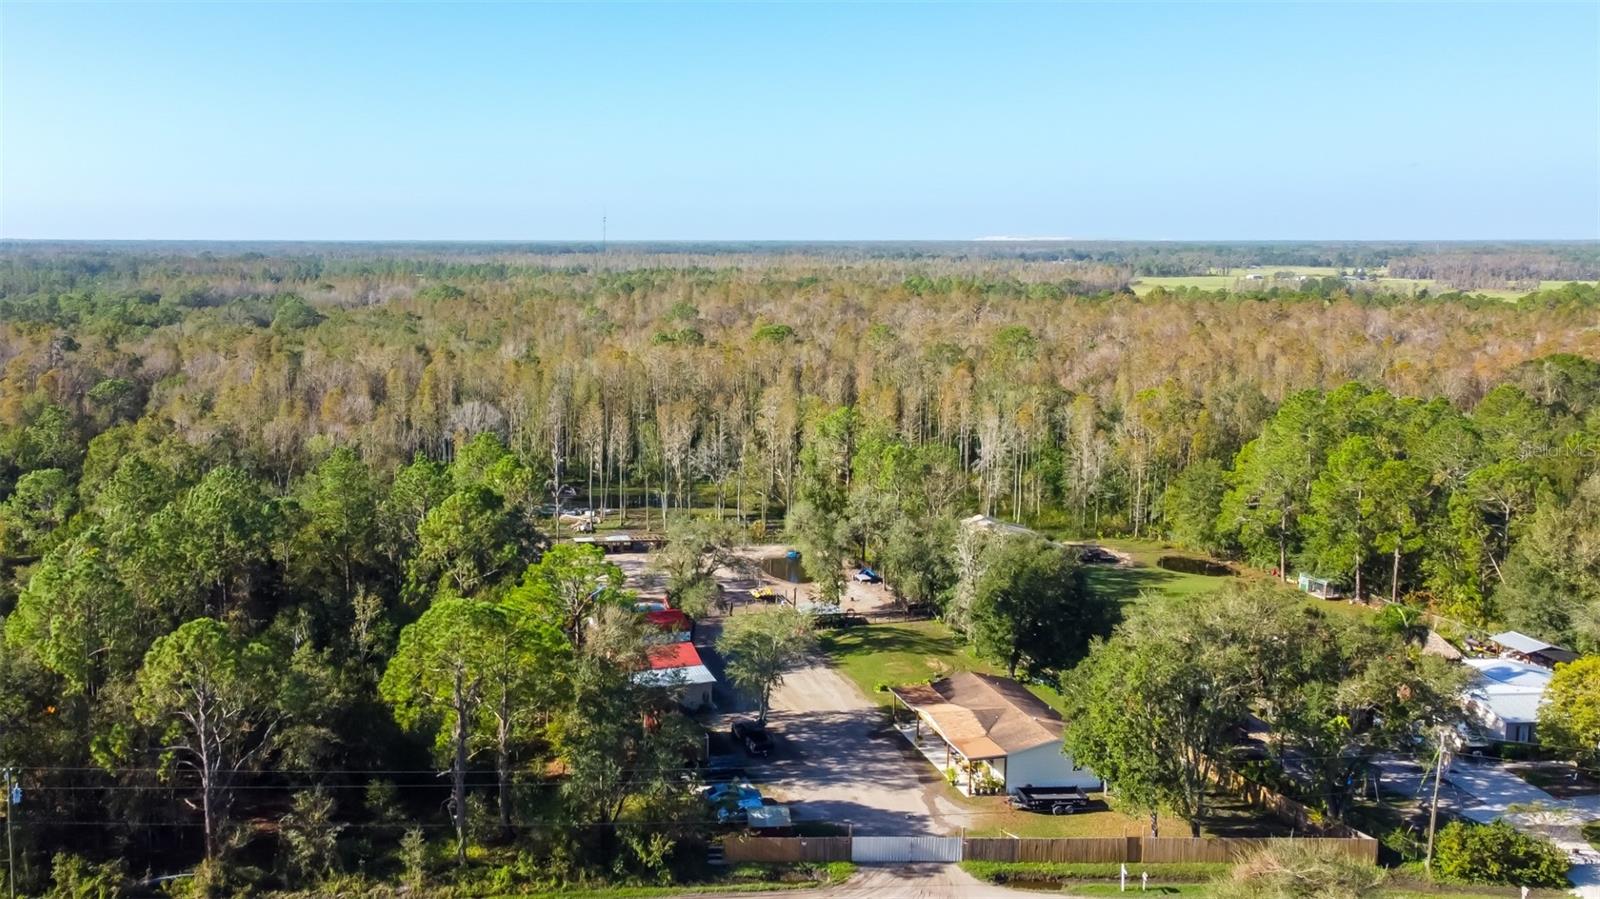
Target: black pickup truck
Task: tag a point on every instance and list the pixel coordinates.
(1055, 800)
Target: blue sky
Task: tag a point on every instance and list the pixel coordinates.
(803, 121)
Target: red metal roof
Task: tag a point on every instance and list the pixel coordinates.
(674, 655)
(669, 619)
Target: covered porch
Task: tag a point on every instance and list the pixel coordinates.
(971, 776)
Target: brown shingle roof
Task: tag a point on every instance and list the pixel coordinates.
(982, 716)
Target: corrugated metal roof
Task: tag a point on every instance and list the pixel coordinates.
(674, 655)
(1511, 690)
(1520, 642)
(676, 677)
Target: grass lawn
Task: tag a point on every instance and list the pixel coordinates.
(1164, 889)
(1147, 578)
(1098, 879)
(912, 652)
(1229, 817)
(1559, 780)
(1338, 608)
(992, 817)
(1591, 832)
(739, 879)
(1235, 280)
(1129, 584)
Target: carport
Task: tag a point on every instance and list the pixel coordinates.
(990, 729)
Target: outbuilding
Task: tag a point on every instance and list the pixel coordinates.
(1524, 648)
(679, 668)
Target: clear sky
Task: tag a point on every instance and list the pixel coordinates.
(804, 121)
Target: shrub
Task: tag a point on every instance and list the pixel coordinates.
(1500, 854)
(1300, 871)
(839, 872)
(414, 859)
(73, 877)
(310, 837)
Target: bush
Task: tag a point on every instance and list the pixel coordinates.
(1300, 871)
(1499, 854)
(73, 877)
(798, 873)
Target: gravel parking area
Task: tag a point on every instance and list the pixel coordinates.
(835, 757)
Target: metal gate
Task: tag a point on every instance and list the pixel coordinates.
(905, 849)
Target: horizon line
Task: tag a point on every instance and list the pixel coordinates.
(991, 240)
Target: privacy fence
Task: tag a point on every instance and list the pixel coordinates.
(1304, 818)
(1147, 850)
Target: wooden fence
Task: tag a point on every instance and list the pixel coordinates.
(1149, 850)
(778, 850)
(1086, 849)
(1304, 819)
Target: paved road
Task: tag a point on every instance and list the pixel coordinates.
(907, 882)
(1494, 792)
(1408, 779)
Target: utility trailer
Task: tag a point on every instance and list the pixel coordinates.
(1054, 800)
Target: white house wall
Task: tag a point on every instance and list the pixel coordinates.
(1046, 766)
(694, 696)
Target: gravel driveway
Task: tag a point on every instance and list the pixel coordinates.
(836, 759)
(841, 762)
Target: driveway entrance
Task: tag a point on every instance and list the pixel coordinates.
(903, 850)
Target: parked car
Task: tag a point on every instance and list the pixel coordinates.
(753, 736)
(868, 576)
(1055, 800)
(1094, 555)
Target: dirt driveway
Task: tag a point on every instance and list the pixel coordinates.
(858, 597)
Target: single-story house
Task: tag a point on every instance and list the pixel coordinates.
(1504, 698)
(679, 668)
(992, 732)
(1530, 649)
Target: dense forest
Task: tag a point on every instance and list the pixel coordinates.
(264, 506)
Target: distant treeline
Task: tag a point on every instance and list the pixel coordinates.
(1495, 264)
(1518, 269)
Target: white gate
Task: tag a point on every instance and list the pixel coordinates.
(905, 849)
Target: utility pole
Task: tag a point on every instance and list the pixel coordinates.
(1433, 811)
(11, 856)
